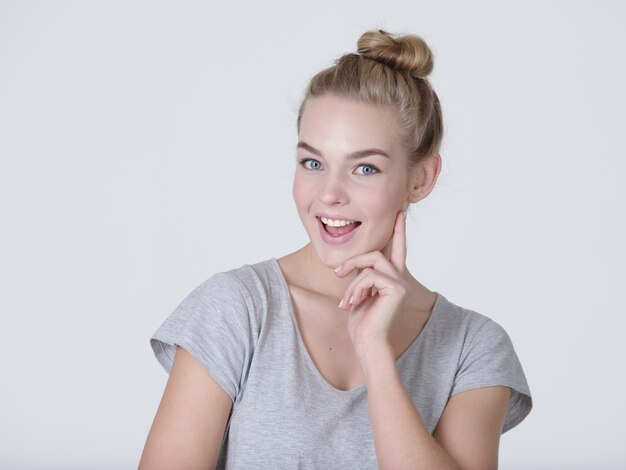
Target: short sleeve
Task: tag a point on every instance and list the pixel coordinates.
(488, 360)
(213, 323)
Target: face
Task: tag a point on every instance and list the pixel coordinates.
(352, 170)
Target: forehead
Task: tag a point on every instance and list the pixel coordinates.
(337, 123)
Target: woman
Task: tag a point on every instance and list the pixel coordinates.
(336, 356)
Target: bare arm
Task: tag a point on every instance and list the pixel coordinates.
(467, 436)
(400, 436)
(471, 424)
(189, 425)
(469, 430)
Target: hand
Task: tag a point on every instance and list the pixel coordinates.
(379, 293)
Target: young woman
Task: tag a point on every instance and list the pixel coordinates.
(336, 356)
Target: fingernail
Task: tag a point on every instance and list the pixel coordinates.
(337, 269)
(351, 299)
(341, 303)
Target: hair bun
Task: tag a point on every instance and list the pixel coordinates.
(403, 52)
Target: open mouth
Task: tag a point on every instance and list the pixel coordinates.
(338, 228)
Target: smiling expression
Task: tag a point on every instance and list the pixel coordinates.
(350, 168)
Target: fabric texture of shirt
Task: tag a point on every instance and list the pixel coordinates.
(240, 326)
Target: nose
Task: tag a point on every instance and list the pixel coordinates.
(333, 191)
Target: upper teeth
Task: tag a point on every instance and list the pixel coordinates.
(336, 223)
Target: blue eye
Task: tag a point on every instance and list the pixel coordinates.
(367, 170)
(311, 164)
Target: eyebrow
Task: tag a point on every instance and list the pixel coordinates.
(351, 156)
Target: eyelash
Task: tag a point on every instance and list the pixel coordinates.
(304, 161)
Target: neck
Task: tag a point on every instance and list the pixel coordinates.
(303, 269)
(308, 272)
(311, 274)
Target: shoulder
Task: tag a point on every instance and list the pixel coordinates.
(453, 322)
(238, 297)
(486, 357)
(241, 284)
(469, 332)
(469, 324)
(219, 323)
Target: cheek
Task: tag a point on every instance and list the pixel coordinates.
(381, 208)
(383, 204)
(301, 193)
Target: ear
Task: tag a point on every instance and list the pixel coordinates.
(423, 177)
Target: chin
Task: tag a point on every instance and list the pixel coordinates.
(332, 257)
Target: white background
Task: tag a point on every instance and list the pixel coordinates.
(147, 145)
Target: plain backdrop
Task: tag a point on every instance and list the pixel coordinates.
(147, 145)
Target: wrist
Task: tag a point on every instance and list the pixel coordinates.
(377, 357)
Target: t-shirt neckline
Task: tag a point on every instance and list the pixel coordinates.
(414, 344)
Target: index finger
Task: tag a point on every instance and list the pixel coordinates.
(398, 242)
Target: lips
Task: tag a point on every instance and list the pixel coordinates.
(341, 229)
(337, 235)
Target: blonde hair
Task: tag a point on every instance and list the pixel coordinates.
(390, 71)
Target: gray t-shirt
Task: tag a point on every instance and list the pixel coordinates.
(241, 328)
